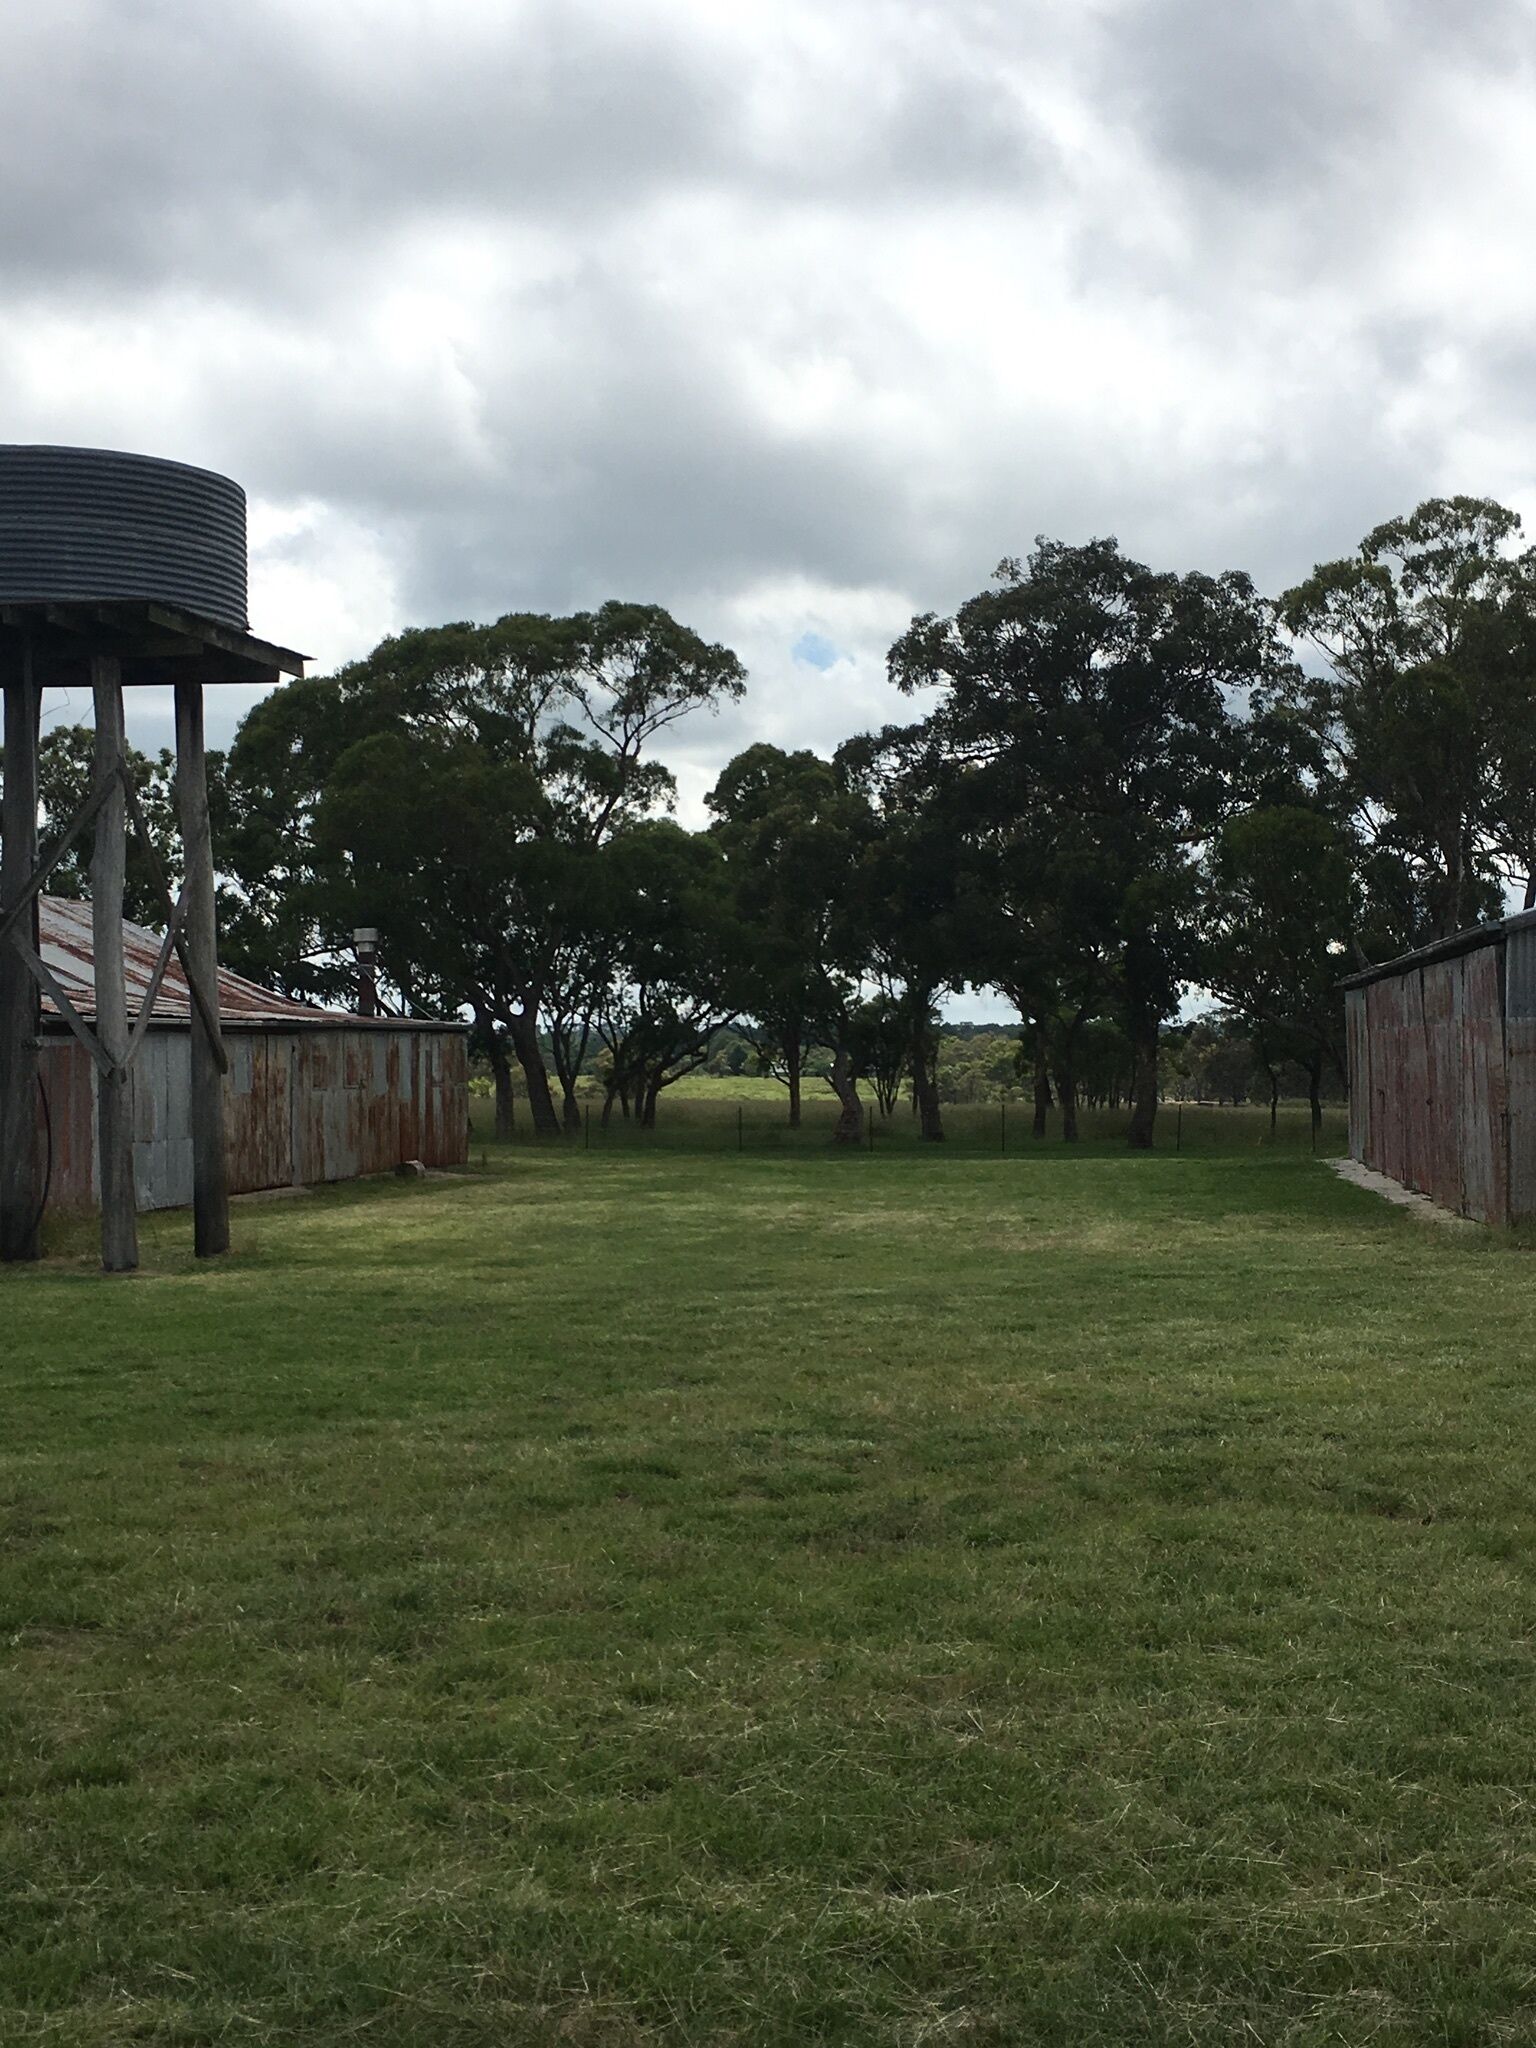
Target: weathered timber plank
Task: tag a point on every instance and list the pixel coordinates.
(19, 1175)
(114, 1108)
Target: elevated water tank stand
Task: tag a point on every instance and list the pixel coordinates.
(111, 645)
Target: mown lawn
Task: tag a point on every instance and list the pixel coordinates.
(640, 1597)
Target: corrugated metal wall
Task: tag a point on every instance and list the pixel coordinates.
(1520, 1070)
(1443, 1077)
(300, 1106)
(1484, 1093)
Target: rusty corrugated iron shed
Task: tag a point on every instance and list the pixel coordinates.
(311, 1094)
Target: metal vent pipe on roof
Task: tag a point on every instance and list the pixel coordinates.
(365, 943)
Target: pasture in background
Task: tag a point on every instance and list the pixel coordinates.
(747, 1113)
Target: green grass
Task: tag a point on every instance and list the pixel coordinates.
(641, 1597)
(739, 1088)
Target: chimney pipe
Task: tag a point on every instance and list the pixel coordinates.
(365, 943)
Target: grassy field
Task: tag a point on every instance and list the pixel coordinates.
(652, 1597)
(749, 1113)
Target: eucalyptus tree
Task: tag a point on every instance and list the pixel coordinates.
(1089, 703)
(881, 1037)
(924, 901)
(1049, 944)
(674, 947)
(530, 740)
(1426, 705)
(1283, 910)
(794, 835)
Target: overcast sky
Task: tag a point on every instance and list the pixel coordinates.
(792, 317)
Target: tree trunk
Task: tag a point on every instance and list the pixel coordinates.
(524, 1028)
(569, 1044)
(1315, 1093)
(925, 1086)
(793, 1055)
(647, 1095)
(850, 1122)
(1066, 1090)
(501, 1075)
(1066, 1079)
(1144, 1025)
(1042, 1085)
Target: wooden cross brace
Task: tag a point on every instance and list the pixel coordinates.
(12, 929)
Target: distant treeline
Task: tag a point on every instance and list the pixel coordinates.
(1127, 784)
(1211, 1059)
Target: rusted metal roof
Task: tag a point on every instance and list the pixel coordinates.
(66, 947)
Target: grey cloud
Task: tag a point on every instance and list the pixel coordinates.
(171, 143)
(636, 225)
(176, 141)
(1279, 99)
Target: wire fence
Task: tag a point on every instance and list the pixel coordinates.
(760, 1125)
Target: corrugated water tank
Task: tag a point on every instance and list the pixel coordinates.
(93, 524)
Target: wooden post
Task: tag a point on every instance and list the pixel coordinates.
(114, 1089)
(210, 1164)
(19, 1192)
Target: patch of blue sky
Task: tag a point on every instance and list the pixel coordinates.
(815, 650)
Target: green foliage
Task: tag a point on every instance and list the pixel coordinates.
(674, 945)
(1427, 709)
(1087, 732)
(795, 836)
(982, 1066)
(1125, 788)
(458, 790)
(1284, 904)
